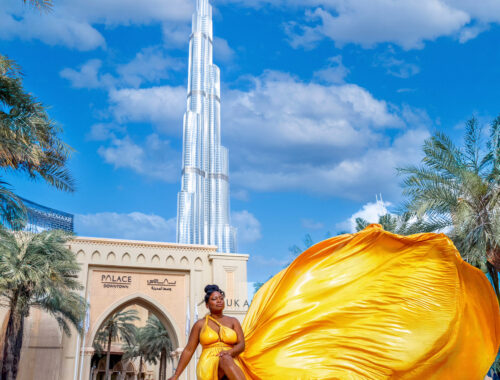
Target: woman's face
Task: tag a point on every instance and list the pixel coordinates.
(216, 302)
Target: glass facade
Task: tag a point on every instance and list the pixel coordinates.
(203, 212)
(41, 218)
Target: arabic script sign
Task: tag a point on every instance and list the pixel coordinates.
(165, 285)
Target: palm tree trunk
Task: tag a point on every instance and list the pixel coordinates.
(160, 371)
(140, 367)
(108, 357)
(2, 337)
(163, 359)
(12, 346)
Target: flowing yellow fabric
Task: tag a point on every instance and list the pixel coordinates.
(213, 343)
(374, 305)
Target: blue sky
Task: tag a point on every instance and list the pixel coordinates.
(321, 101)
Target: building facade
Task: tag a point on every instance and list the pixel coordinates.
(41, 218)
(203, 211)
(164, 279)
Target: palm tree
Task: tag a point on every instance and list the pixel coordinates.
(133, 350)
(36, 270)
(45, 5)
(29, 141)
(404, 224)
(157, 343)
(138, 349)
(119, 326)
(459, 187)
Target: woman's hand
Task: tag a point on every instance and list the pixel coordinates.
(228, 352)
(173, 378)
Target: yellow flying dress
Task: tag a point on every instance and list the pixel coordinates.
(374, 305)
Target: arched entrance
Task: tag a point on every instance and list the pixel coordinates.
(122, 370)
(129, 368)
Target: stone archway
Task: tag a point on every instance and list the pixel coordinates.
(136, 299)
(146, 302)
(122, 371)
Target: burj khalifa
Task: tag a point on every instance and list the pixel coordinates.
(203, 213)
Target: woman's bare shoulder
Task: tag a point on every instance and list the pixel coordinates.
(234, 321)
(199, 322)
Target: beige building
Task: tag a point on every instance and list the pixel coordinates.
(164, 279)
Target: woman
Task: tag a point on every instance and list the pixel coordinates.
(222, 340)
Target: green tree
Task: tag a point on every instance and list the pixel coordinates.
(45, 5)
(459, 188)
(296, 250)
(137, 349)
(157, 343)
(36, 270)
(29, 142)
(120, 326)
(404, 224)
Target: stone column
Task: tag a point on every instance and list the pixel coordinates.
(85, 366)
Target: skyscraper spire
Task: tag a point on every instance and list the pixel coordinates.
(202, 7)
(203, 213)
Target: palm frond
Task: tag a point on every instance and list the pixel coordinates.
(38, 270)
(29, 139)
(361, 224)
(494, 148)
(155, 339)
(472, 144)
(120, 325)
(12, 211)
(442, 156)
(43, 5)
(460, 189)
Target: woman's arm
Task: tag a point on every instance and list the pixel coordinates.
(187, 353)
(239, 347)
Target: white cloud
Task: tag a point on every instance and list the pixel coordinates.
(48, 28)
(176, 35)
(88, 76)
(126, 12)
(486, 11)
(249, 229)
(72, 23)
(335, 72)
(283, 112)
(162, 105)
(312, 224)
(394, 66)
(288, 135)
(267, 261)
(371, 212)
(240, 194)
(407, 23)
(148, 66)
(134, 226)
(471, 32)
(154, 158)
(222, 50)
(326, 139)
(105, 131)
